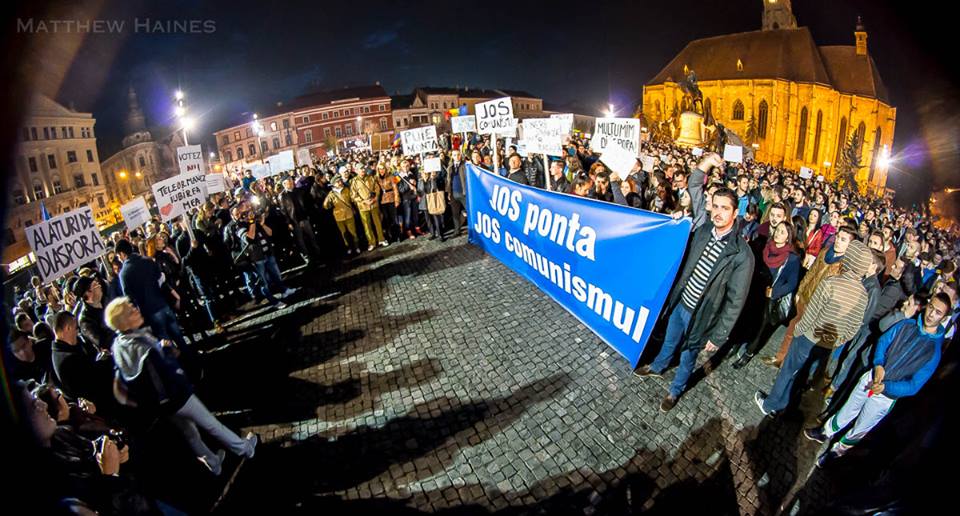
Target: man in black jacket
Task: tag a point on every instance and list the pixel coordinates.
(77, 374)
(456, 187)
(516, 173)
(90, 315)
(558, 181)
(708, 295)
(295, 207)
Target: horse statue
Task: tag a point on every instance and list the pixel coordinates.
(692, 92)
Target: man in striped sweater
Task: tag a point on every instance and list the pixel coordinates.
(832, 317)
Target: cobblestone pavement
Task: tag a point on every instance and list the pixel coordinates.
(431, 378)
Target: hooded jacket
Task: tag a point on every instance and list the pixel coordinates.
(837, 307)
(154, 381)
(909, 356)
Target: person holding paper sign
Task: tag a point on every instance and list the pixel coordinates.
(708, 295)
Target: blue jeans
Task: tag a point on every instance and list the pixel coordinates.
(164, 325)
(800, 350)
(406, 213)
(270, 280)
(206, 297)
(676, 330)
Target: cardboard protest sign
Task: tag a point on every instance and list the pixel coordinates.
(806, 172)
(65, 242)
(697, 151)
(566, 121)
(190, 159)
(431, 165)
(647, 162)
(420, 140)
(464, 124)
(543, 136)
(304, 157)
(281, 162)
(622, 132)
(733, 153)
(180, 194)
(135, 213)
(619, 161)
(215, 183)
(495, 116)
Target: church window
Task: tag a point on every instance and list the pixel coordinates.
(762, 120)
(861, 133)
(876, 151)
(739, 65)
(802, 134)
(707, 110)
(816, 137)
(738, 110)
(841, 139)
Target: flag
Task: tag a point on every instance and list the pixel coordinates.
(44, 214)
(463, 110)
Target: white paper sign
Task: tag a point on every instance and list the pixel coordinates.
(281, 162)
(431, 165)
(179, 194)
(622, 132)
(215, 183)
(190, 159)
(260, 170)
(495, 116)
(820, 178)
(65, 242)
(543, 136)
(647, 163)
(733, 153)
(618, 160)
(566, 121)
(522, 148)
(464, 124)
(135, 213)
(806, 172)
(697, 151)
(420, 140)
(304, 157)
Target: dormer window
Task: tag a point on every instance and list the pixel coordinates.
(739, 65)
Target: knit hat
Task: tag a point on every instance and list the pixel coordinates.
(858, 258)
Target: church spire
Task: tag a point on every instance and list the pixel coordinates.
(135, 125)
(777, 14)
(861, 36)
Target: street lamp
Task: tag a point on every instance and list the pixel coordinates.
(610, 111)
(180, 110)
(258, 130)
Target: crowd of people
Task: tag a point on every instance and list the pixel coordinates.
(866, 291)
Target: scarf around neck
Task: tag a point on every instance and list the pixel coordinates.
(775, 256)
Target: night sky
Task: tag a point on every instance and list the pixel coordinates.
(587, 53)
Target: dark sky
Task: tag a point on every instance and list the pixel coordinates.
(589, 52)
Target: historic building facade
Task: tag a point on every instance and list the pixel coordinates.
(797, 103)
(429, 105)
(56, 163)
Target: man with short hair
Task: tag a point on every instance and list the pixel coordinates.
(709, 293)
(906, 357)
(365, 193)
(90, 315)
(558, 180)
(140, 280)
(77, 374)
(516, 173)
(456, 189)
(294, 205)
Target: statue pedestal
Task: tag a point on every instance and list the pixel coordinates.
(691, 130)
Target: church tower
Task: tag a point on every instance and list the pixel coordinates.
(861, 36)
(777, 14)
(135, 125)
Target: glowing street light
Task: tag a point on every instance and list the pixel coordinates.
(187, 123)
(180, 111)
(123, 174)
(885, 157)
(610, 111)
(178, 95)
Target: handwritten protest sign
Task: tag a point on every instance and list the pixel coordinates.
(697, 151)
(215, 183)
(65, 242)
(464, 124)
(420, 140)
(180, 194)
(304, 157)
(431, 165)
(190, 159)
(619, 161)
(806, 172)
(135, 213)
(622, 132)
(543, 136)
(647, 162)
(733, 153)
(566, 121)
(280, 162)
(495, 116)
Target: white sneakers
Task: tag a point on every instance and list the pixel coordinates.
(287, 293)
(370, 248)
(382, 244)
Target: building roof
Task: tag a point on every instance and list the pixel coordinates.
(518, 93)
(854, 74)
(326, 97)
(789, 54)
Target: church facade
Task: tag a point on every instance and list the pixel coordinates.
(796, 103)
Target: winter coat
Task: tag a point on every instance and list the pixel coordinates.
(155, 382)
(909, 356)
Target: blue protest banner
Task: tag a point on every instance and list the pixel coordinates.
(610, 266)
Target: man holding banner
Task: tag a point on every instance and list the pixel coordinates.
(709, 294)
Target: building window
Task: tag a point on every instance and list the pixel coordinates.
(263, 146)
(57, 187)
(349, 129)
(100, 202)
(71, 131)
(288, 139)
(253, 149)
(816, 138)
(26, 134)
(326, 132)
(89, 156)
(18, 198)
(738, 110)
(286, 123)
(142, 162)
(273, 126)
(63, 131)
(861, 133)
(32, 163)
(308, 136)
(841, 139)
(876, 152)
(762, 120)
(305, 120)
(228, 155)
(33, 133)
(802, 133)
(71, 156)
(249, 132)
(338, 131)
(38, 192)
(236, 135)
(52, 161)
(95, 179)
(383, 124)
(323, 116)
(53, 133)
(46, 133)
(276, 142)
(78, 180)
(381, 107)
(226, 140)
(239, 152)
